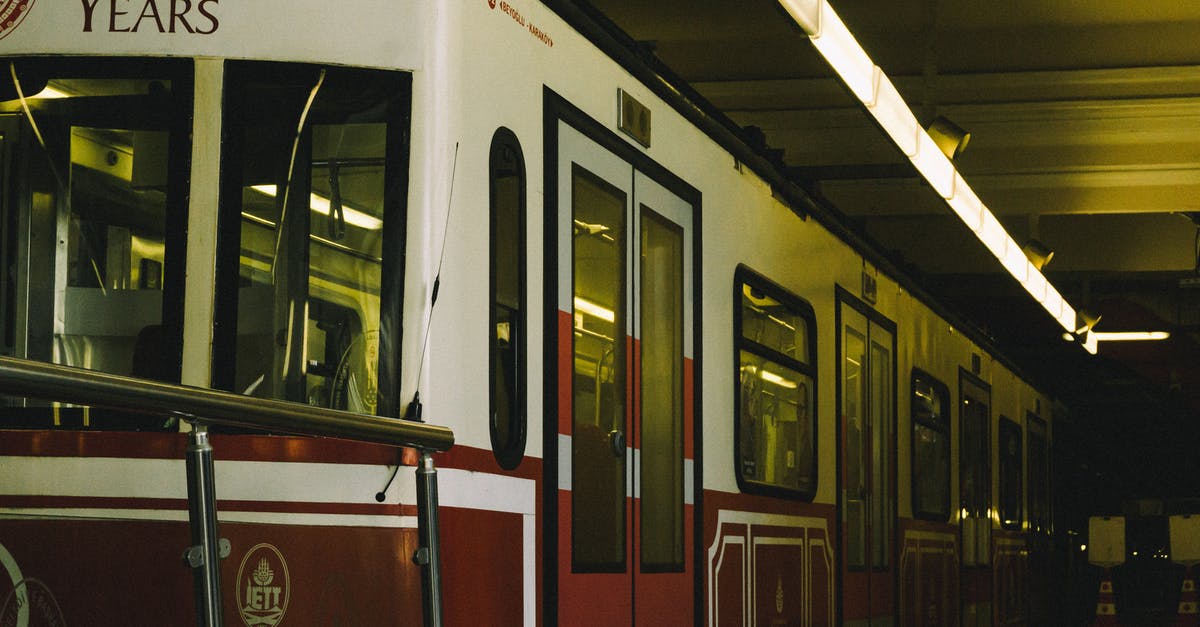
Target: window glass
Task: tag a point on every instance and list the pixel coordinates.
(94, 220)
(598, 383)
(1039, 475)
(507, 339)
(1011, 492)
(313, 179)
(975, 470)
(931, 447)
(776, 388)
(661, 412)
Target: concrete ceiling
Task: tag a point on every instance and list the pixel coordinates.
(1085, 134)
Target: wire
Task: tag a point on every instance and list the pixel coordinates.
(312, 95)
(437, 279)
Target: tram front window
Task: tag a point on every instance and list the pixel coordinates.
(311, 168)
(95, 161)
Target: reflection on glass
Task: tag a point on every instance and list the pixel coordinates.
(776, 424)
(598, 381)
(312, 232)
(855, 486)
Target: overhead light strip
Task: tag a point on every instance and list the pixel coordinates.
(875, 90)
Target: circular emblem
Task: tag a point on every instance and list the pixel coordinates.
(492, 3)
(11, 14)
(263, 586)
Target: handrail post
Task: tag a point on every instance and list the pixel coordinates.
(205, 553)
(428, 556)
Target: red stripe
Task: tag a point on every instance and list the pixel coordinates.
(135, 445)
(482, 460)
(278, 507)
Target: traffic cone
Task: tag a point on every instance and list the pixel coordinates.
(1186, 617)
(1106, 604)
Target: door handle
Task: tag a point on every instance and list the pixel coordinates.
(616, 439)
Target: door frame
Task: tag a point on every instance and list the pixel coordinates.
(558, 109)
(843, 296)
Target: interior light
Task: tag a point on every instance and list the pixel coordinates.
(1090, 343)
(320, 204)
(592, 309)
(1130, 336)
(1085, 321)
(771, 377)
(50, 92)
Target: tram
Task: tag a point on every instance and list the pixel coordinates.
(682, 391)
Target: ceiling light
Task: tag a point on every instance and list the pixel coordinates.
(592, 309)
(876, 92)
(320, 204)
(1130, 336)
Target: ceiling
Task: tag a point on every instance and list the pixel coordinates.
(1085, 134)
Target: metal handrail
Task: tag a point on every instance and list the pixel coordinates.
(87, 387)
(203, 407)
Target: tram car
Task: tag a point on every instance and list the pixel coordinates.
(682, 391)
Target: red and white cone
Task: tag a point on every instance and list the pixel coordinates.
(1186, 617)
(1106, 603)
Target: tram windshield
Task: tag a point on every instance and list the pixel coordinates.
(307, 177)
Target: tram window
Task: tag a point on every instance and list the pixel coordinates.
(776, 374)
(96, 168)
(312, 236)
(506, 344)
(1011, 493)
(931, 447)
(975, 470)
(1039, 475)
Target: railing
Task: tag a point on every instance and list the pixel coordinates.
(201, 407)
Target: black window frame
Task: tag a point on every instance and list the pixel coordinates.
(744, 276)
(941, 426)
(505, 152)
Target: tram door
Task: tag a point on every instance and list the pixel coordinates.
(624, 352)
(866, 504)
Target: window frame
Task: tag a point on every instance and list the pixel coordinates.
(939, 387)
(1040, 520)
(744, 276)
(508, 453)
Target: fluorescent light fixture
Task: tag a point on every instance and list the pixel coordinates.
(967, 205)
(592, 309)
(1090, 343)
(320, 204)
(875, 90)
(895, 117)
(807, 14)
(50, 92)
(847, 57)
(1015, 261)
(1130, 336)
(771, 377)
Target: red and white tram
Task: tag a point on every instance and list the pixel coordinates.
(681, 391)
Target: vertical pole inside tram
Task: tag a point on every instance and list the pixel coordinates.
(204, 554)
(428, 556)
